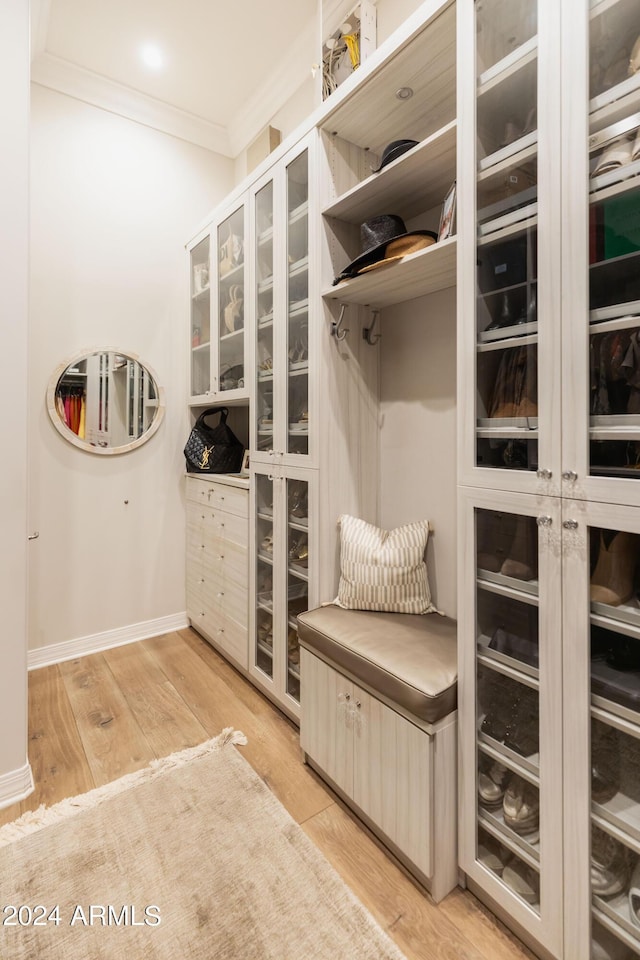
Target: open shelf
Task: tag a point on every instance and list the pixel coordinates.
(427, 60)
(414, 276)
(403, 184)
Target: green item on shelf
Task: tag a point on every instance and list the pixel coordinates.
(621, 225)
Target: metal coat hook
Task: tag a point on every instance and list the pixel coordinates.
(336, 325)
(368, 331)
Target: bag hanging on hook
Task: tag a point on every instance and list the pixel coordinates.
(213, 449)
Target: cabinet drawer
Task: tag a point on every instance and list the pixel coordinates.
(227, 561)
(225, 633)
(231, 499)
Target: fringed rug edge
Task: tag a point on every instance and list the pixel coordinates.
(44, 816)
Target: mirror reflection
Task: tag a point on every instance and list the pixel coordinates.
(106, 402)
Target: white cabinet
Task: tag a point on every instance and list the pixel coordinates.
(549, 428)
(284, 578)
(219, 346)
(284, 270)
(391, 768)
(217, 563)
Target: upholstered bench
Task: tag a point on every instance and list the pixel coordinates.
(378, 722)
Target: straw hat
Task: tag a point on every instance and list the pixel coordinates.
(385, 239)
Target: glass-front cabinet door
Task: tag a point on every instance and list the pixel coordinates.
(230, 239)
(283, 539)
(602, 628)
(263, 232)
(281, 237)
(297, 201)
(602, 209)
(200, 354)
(510, 285)
(512, 803)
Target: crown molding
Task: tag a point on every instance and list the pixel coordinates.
(292, 70)
(66, 77)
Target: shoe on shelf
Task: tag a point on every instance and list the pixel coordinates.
(612, 581)
(521, 807)
(634, 895)
(521, 560)
(605, 762)
(491, 784)
(609, 864)
(522, 880)
(494, 532)
(491, 853)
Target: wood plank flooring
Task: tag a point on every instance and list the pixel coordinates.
(99, 717)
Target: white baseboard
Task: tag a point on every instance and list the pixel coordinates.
(15, 785)
(70, 649)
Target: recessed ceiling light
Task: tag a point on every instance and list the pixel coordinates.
(404, 93)
(152, 56)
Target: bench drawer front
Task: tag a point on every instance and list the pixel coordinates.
(393, 777)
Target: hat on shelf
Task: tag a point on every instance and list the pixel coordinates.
(385, 239)
(394, 150)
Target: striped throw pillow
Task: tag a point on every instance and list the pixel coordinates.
(383, 569)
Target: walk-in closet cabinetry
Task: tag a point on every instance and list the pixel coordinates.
(282, 422)
(219, 345)
(217, 562)
(549, 527)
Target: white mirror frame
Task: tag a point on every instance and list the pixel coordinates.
(70, 436)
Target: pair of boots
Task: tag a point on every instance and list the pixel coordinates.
(507, 544)
(515, 393)
(614, 577)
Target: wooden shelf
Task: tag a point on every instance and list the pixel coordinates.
(426, 63)
(414, 276)
(416, 181)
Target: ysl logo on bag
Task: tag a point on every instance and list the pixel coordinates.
(206, 453)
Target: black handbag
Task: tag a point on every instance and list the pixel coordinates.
(213, 449)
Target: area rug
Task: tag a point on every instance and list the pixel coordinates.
(192, 858)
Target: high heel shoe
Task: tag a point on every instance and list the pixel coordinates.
(521, 562)
(612, 581)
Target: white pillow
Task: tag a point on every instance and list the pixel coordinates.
(383, 569)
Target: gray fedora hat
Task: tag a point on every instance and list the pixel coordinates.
(375, 235)
(394, 150)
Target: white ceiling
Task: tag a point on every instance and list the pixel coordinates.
(229, 63)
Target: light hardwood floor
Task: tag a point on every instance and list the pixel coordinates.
(99, 717)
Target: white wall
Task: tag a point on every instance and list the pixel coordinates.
(418, 429)
(113, 203)
(15, 777)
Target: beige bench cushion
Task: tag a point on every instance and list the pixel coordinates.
(410, 659)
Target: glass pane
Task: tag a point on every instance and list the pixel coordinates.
(508, 811)
(298, 305)
(507, 236)
(200, 320)
(264, 574)
(502, 26)
(614, 239)
(264, 315)
(231, 294)
(298, 577)
(614, 557)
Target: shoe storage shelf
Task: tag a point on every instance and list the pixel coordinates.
(284, 541)
(219, 345)
(549, 435)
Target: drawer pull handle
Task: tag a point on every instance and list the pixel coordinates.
(358, 704)
(347, 697)
(221, 557)
(570, 524)
(221, 594)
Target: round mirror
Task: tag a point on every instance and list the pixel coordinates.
(105, 402)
